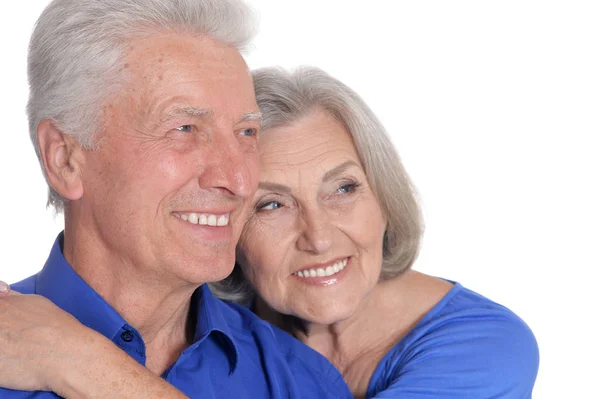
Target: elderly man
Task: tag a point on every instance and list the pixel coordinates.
(143, 117)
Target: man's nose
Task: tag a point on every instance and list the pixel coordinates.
(232, 166)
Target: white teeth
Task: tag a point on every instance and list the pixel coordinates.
(222, 220)
(204, 219)
(320, 272)
(212, 220)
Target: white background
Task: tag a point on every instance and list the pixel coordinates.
(495, 109)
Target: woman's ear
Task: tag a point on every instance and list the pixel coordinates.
(62, 158)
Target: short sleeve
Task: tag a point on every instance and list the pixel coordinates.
(473, 353)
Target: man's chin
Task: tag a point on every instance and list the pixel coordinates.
(201, 272)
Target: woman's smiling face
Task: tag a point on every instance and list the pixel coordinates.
(312, 246)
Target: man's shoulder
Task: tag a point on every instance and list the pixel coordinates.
(26, 286)
(271, 344)
(248, 327)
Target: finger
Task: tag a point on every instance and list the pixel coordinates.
(5, 290)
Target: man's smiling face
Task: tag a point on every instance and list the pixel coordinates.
(169, 186)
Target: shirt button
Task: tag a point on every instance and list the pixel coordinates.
(127, 336)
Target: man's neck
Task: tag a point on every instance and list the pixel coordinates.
(157, 307)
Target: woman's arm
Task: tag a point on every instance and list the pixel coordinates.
(44, 348)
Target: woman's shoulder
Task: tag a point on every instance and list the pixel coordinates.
(466, 345)
(460, 302)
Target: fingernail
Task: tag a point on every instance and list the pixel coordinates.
(4, 287)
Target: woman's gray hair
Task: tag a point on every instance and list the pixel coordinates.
(77, 50)
(284, 98)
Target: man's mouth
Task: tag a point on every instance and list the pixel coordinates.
(205, 219)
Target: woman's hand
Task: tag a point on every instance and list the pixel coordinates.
(32, 341)
(44, 348)
(4, 289)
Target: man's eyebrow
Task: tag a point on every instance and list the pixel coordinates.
(251, 116)
(264, 185)
(338, 169)
(189, 111)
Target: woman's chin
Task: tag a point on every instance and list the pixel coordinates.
(326, 316)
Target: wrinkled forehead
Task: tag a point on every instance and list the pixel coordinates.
(163, 72)
(315, 143)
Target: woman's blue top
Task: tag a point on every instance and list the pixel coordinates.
(466, 347)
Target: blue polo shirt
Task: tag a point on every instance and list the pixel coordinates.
(234, 355)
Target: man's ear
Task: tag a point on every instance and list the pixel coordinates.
(63, 158)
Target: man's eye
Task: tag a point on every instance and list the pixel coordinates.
(185, 128)
(250, 132)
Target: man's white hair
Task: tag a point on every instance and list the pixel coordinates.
(78, 46)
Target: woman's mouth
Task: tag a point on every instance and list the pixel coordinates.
(323, 271)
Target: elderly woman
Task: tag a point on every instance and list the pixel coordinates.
(326, 255)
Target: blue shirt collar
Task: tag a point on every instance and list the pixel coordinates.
(62, 285)
(210, 319)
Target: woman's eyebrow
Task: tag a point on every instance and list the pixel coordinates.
(338, 169)
(268, 186)
(264, 185)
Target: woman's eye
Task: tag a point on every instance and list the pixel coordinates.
(185, 128)
(250, 132)
(268, 206)
(347, 188)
